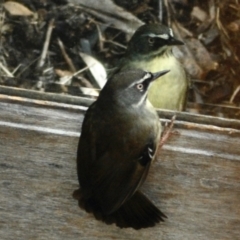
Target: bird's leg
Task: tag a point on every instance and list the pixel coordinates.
(166, 132)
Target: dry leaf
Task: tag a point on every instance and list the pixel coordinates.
(63, 73)
(234, 26)
(109, 12)
(97, 69)
(199, 14)
(89, 91)
(17, 9)
(201, 55)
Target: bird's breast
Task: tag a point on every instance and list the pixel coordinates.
(139, 127)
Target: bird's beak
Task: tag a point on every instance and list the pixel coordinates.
(174, 42)
(159, 74)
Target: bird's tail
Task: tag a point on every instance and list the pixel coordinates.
(137, 212)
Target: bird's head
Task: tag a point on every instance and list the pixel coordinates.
(151, 40)
(129, 87)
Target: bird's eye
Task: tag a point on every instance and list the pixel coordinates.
(151, 40)
(140, 87)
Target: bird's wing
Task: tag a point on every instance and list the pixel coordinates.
(86, 153)
(115, 180)
(106, 175)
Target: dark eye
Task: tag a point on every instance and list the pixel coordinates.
(151, 40)
(140, 87)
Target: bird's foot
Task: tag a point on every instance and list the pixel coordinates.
(167, 132)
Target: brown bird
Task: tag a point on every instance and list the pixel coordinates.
(118, 142)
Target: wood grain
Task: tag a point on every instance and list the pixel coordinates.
(195, 181)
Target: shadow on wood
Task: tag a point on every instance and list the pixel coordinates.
(195, 182)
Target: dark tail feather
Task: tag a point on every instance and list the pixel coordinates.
(138, 212)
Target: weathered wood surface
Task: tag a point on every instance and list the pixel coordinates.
(195, 182)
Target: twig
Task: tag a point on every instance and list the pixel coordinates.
(116, 43)
(168, 11)
(219, 24)
(46, 44)
(101, 38)
(225, 37)
(66, 79)
(237, 90)
(2, 17)
(66, 57)
(212, 9)
(15, 70)
(160, 15)
(9, 74)
(24, 69)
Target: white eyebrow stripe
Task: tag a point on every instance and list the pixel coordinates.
(163, 36)
(151, 35)
(146, 76)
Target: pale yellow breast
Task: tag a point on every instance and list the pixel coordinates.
(169, 91)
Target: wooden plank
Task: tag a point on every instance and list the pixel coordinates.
(184, 116)
(195, 181)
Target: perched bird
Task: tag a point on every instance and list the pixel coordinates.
(118, 142)
(150, 49)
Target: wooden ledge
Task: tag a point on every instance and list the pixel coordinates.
(195, 182)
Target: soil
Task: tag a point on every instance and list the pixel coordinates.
(211, 30)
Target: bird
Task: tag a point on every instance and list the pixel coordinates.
(150, 49)
(118, 142)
